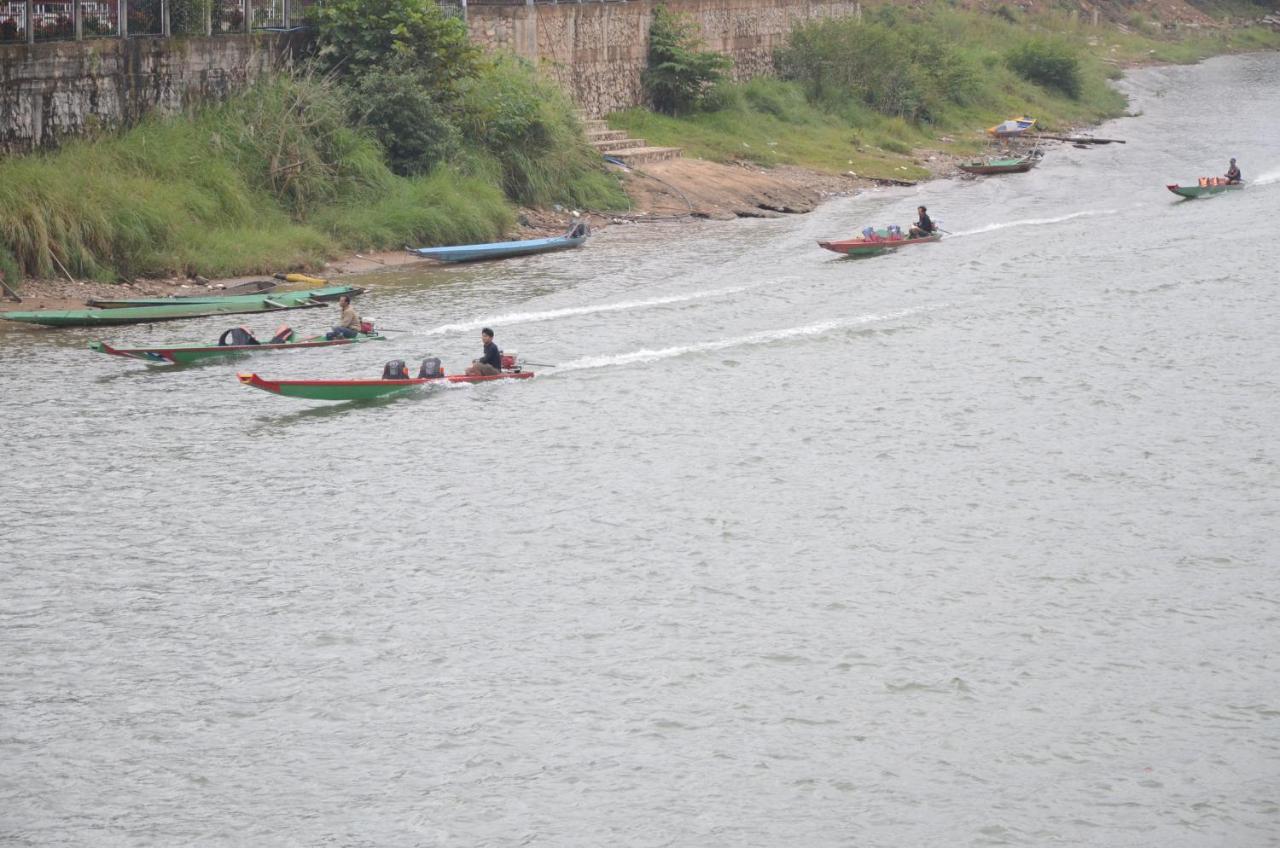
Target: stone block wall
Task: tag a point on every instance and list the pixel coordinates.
(52, 90)
(597, 50)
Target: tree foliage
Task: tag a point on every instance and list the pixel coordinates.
(679, 73)
(897, 68)
(1051, 63)
(354, 37)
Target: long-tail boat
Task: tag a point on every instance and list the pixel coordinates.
(328, 293)
(364, 389)
(503, 249)
(1001, 165)
(1012, 127)
(272, 302)
(1205, 187)
(185, 354)
(881, 241)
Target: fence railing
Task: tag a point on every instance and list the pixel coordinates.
(31, 21)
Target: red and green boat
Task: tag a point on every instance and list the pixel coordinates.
(364, 389)
(185, 354)
(1205, 188)
(882, 241)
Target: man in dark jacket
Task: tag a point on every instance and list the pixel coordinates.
(491, 362)
(924, 227)
(1233, 173)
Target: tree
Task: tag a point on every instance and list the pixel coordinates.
(679, 74)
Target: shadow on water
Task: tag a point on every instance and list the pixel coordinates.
(267, 423)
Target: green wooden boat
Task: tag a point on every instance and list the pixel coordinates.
(1005, 165)
(142, 314)
(1203, 190)
(362, 389)
(185, 354)
(327, 293)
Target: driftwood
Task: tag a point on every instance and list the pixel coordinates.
(9, 293)
(1074, 139)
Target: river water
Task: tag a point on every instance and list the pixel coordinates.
(975, 544)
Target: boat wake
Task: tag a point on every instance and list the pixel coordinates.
(1268, 178)
(571, 311)
(1035, 222)
(766, 337)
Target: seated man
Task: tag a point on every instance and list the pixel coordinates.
(348, 326)
(1233, 174)
(490, 363)
(924, 226)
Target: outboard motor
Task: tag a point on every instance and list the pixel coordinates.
(431, 369)
(395, 370)
(366, 326)
(236, 337)
(508, 361)
(868, 232)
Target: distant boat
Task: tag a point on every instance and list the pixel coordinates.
(504, 249)
(364, 389)
(1005, 165)
(880, 241)
(1206, 186)
(1012, 127)
(327, 293)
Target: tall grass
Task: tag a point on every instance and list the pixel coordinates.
(277, 178)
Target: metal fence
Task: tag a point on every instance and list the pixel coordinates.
(30, 21)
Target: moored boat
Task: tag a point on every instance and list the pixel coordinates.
(167, 312)
(503, 249)
(1002, 165)
(880, 241)
(1206, 186)
(328, 293)
(185, 354)
(1012, 127)
(364, 389)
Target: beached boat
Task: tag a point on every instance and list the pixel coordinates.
(273, 302)
(1012, 127)
(185, 354)
(363, 389)
(503, 249)
(1002, 165)
(882, 241)
(328, 293)
(1205, 187)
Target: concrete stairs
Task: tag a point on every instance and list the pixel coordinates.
(615, 143)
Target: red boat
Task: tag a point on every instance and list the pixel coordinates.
(881, 242)
(363, 389)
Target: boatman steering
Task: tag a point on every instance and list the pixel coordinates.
(924, 226)
(1233, 174)
(348, 326)
(491, 362)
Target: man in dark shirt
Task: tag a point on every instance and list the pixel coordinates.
(491, 362)
(924, 227)
(1233, 173)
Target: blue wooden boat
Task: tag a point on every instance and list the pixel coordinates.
(503, 249)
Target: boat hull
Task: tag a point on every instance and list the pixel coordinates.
(187, 354)
(498, 250)
(339, 390)
(147, 314)
(864, 247)
(1203, 191)
(324, 294)
(1020, 166)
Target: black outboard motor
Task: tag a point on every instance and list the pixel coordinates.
(430, 369)
(236, 337)
(395, 370)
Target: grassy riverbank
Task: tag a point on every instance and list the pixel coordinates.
(959, 64)
(278, 178)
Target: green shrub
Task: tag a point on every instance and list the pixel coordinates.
(354, 37)
(679, 74)
(404, 113)
(1051, 63)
